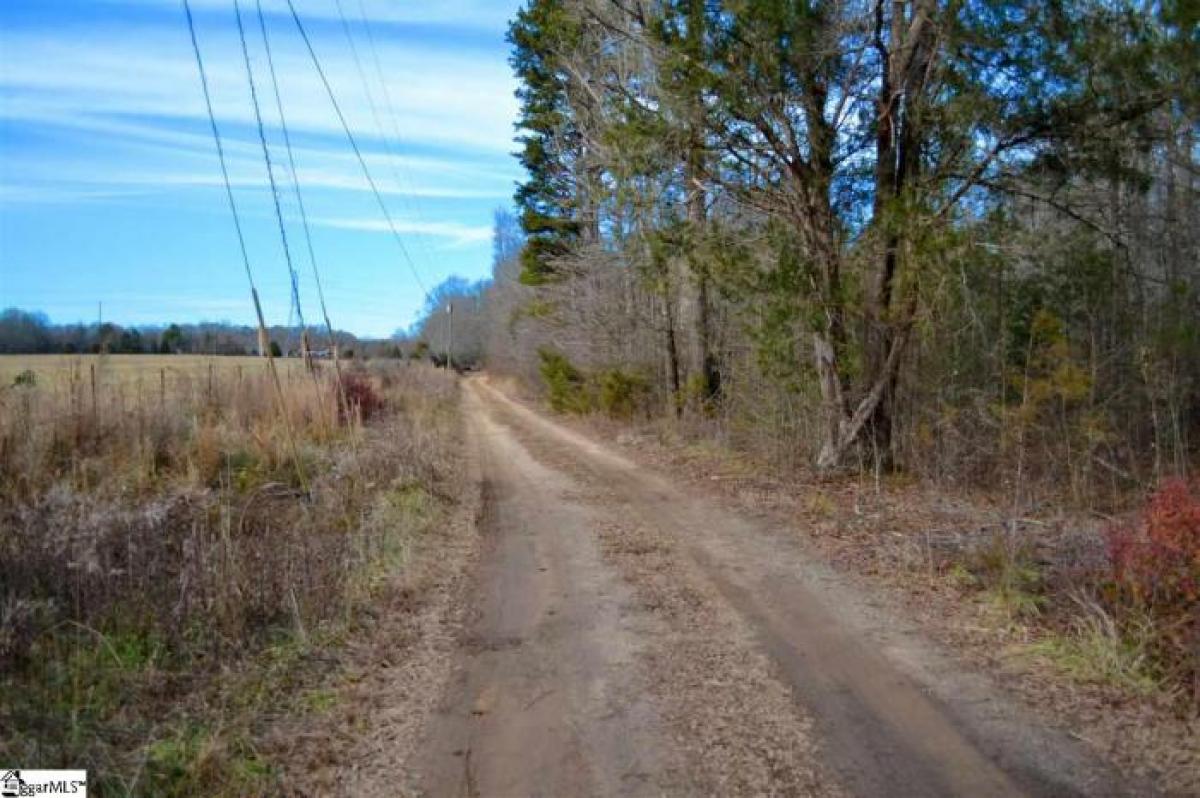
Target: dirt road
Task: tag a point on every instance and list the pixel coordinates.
(633, 638)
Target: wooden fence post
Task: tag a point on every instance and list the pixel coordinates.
(92, 369)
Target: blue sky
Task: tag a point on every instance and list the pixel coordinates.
(110, 186)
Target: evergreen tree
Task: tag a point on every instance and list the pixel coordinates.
(550, 141)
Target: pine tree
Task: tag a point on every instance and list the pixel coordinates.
(548, 199)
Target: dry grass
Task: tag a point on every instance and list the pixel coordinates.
(171, 527)
(116, 424)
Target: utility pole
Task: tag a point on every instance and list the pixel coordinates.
(449, 336)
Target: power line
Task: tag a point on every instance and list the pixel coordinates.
(393, 158)
(262, 137)
(357, 151)
(263, 342)
(413, 202)
(362, 76)
(287, 141)
(379, 128)
(212, 120)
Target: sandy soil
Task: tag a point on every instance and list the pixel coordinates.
(631, 637)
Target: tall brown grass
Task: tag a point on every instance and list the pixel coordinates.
(156, 528)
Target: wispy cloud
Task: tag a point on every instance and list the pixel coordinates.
(459, 234)
(191, 162)
(449, 100)
(16, 194)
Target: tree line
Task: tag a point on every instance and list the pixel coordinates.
(949, 236)
(29, 332)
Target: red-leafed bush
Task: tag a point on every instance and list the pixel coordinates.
(1156, 569)
(1156, 560)
(359, 396)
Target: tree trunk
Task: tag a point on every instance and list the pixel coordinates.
(905, 56)
(699, 363)
(838, 438)
(829, 456)
(817, 232)
(672, 358)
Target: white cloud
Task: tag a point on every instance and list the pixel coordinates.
(69, 179)
(15, 194)
(459, 234)
(451, 99)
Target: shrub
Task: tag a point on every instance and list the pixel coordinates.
(1155, 562)
(359, 395)
(621, 393)
(566, 384)
(26, 377)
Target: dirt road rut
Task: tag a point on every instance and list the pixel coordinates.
(632, 638)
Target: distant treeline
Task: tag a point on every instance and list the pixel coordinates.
(26, 332)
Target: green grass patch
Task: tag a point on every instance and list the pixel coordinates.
(1093, 655)
(319, 701)
(176, 765)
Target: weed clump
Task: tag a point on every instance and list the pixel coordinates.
(1008, 568)
(360, 396)
(616, 392)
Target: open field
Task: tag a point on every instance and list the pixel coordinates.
(58, 369)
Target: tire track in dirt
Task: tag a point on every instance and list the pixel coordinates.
(594, 667)
(547, 701)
